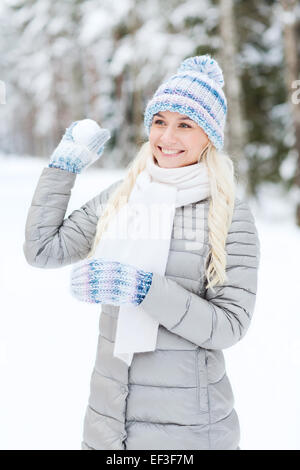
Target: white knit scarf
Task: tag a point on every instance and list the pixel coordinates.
(140, 233)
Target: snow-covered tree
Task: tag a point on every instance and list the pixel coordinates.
(63, 60)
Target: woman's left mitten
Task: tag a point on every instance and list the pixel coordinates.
(111, 282)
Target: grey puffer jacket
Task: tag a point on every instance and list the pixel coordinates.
(178, 396)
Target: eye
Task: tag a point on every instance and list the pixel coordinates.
(157, 121)
(184, 124)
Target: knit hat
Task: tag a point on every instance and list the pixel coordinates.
(195, 91)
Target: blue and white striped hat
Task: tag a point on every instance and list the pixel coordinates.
(195, 91)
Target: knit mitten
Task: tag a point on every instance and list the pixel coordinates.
(81, 145)
(97, 280)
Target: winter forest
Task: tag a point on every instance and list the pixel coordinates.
(65, 60)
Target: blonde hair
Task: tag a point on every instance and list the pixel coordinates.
(223, 187)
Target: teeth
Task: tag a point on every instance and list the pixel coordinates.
(170, 152)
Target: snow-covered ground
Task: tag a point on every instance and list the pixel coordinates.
(48, 339)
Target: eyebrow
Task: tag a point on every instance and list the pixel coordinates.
(180, 119)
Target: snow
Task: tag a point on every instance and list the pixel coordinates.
(86, 129)
(189, 9)
(99, 20)
(48, 339)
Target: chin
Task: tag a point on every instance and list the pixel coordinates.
(170, 164)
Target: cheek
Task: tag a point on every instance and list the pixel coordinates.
(189, 142)
(153, 136)
(196, 142)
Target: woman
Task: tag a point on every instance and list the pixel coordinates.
(170, 302)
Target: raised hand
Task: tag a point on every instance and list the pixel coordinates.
(81, 145)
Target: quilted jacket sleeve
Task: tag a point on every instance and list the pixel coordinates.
(221, 319)
(50, 240)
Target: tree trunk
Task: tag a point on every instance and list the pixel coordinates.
(134, 70)
(236, 138)
(291, 76)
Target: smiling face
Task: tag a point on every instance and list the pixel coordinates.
(174, 132)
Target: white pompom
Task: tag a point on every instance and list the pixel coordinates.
(85, 130)
(203, 64)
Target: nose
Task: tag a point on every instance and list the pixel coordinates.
(168, 136)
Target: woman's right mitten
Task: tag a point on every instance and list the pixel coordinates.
(81, 145)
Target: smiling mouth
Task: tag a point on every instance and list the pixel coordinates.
(170, 154)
